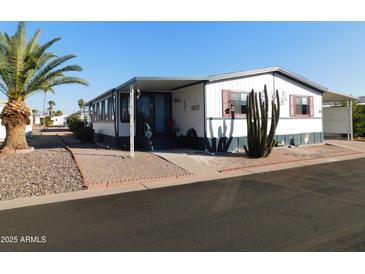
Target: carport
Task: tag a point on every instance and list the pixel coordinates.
(337, 115)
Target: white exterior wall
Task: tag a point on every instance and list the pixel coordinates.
(106, 128)
(188, 109)
(59, 120)
(291, 125)
(216, 126)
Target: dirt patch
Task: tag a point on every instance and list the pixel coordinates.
(231, 161)
(102, 166)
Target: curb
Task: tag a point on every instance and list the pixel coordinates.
(108, 184)
(85, 184)
(283, 162)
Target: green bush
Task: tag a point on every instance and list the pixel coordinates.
(86, 134)
(74, 123)
(79, 128)
(49, 121)
(76, 126)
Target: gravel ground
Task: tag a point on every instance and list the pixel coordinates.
(225, 161)
(43, 171)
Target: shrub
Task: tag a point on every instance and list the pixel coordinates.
(74, 123)
(86, 134)
(76, 126)
(49, 121)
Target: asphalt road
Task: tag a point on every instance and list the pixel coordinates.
(314, 208)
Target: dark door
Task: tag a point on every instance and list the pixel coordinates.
(154, 109)
(145, 106)
(162, 112)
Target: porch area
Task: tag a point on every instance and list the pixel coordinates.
(158, 113)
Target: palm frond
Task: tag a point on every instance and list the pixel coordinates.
(28, 67)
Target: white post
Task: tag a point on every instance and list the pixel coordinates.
(351, 125)
(348, 120)
(131, 120)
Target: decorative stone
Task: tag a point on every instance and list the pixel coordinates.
(7, 150)
(25, 150)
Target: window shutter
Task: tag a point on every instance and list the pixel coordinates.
(311, 106)
(226, 103)
(292, 105)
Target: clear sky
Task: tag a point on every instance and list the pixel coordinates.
(329, 53)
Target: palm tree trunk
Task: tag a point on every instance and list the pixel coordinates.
(15, 116)
(44, 110)
(15, 137)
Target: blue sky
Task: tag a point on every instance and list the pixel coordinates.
(330, 53)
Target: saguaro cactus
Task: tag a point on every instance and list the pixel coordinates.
(259, 143)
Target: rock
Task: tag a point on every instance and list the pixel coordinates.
(7, 150)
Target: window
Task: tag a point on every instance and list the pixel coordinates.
(238, 102)
(124, 108)
(102, 110)
(94, 112)
(234, 102)
(106, 114)
(97, 111)
(301, 106)
(110, 108)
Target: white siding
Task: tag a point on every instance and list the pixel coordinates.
(218, 127)
(214, 90)
(106, 128)
(189, 111)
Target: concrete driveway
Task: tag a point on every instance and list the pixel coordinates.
(313, 208)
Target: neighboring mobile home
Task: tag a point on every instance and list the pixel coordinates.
(60, 120)
(214, 106)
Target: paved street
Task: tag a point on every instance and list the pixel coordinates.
(313, 208)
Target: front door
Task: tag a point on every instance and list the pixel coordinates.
(154, 109)
(162, 112)
(144, 112)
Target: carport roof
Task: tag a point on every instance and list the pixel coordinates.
(155, 83)
(334, 96)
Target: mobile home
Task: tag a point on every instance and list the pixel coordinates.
(214, 107)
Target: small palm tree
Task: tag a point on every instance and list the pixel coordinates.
(58, 113)
(51, 105)
(81, 104)
(26, 67)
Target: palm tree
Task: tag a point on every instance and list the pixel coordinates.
(26, 67)
(81, 104)
(58, 113)
(51, 105)
(44, 104)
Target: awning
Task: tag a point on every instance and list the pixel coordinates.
(331, 96)
(161, 83)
